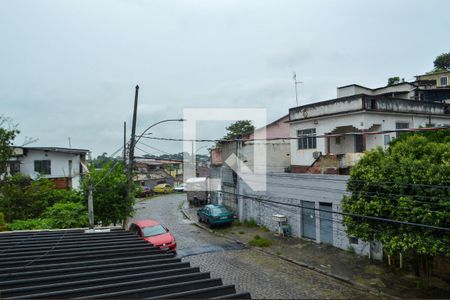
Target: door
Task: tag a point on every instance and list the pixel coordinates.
(359, 143)
(326, 223)
(308, 220)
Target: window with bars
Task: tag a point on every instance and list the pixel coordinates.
(307, 139)
(401, 125)
(43, 167)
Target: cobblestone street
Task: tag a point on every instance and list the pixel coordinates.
(264, 276)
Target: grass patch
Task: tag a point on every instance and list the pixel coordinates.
(241, 232)
(250, 223)
(265, 229)
(258, 241)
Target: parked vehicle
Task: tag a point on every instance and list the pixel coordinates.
(163, 188)
(145, 191)
(154, 233)
(179, 188)
(215, 215)
(197, 193)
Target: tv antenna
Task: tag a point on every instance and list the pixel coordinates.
(295, 83)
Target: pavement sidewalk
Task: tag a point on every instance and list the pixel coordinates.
(375, 277)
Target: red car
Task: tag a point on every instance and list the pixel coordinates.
(154, 233)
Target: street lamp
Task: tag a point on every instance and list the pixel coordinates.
(134, 141)
(163, 121)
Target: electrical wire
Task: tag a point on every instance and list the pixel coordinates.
(303, 136)
(375, 218)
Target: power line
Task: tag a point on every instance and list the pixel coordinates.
(334, 190)
(154, 148)
(309, 177)
(302, 136)
(343, 213)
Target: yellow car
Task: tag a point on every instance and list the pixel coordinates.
(163, 188)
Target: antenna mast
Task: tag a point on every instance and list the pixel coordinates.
(295, 83)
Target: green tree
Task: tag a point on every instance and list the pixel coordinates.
(22, 198)
(102, 160)
(8, 132)
(407, 182)
(67, 215)
(393, 80)
(442, 62)
(110, 193)
(239, 130)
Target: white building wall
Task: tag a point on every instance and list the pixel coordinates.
(359, 120)
(59, 165)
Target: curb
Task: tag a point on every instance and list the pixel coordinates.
(186, 215)
(301, 264)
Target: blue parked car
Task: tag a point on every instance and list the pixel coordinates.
(215, 215)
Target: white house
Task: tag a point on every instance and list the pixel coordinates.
(62, 165)
(343, 128)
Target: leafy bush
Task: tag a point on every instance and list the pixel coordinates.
(2, 222)
(22, 198)
(67, 215)
(111, 204)
(29, 224)
(258, 241)
(404, 183)
(265, 229)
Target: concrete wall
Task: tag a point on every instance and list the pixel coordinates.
(367, 120)
(351, 90)
(59, 165)
(293, 189)
(277, 155)
(340, 105)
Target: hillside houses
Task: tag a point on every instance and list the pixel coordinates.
(306, 172)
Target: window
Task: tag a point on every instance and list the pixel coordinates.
(42, 167)
(338, 140)
(443, 81)
(154, 230)
(401, 125)
(308, 139)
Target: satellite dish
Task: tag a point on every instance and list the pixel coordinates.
(316, 154)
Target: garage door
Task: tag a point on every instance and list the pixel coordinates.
(326, 223)
(308, 220)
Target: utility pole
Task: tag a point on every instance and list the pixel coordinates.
(124, 143)
(91, 204)
(70, 144)
(295, 83)
(131, 150)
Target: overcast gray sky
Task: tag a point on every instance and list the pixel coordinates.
(68, 68)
